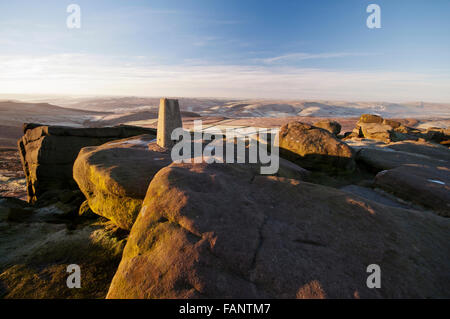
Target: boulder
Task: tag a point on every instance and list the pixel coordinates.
(314, 148)
(233, 234)
(386, 130)
(331, 126)
(48, 153)
(392, 123)
(370, 118)
(438, 135)
(114, 176)
(377, 131)
(420, 184)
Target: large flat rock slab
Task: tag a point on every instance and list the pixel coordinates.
(435, 151)
(423, 185)
(387, 158)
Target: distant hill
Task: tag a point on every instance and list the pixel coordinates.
(8, 106)
(14, 113)
(143, 111)
(262, 108)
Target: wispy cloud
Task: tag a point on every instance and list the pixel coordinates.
(309, 56)
(97, 75)
(205, 41)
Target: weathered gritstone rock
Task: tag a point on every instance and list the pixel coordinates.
(415, 171)
(420, 184)
(377, 196)
(314, 148)
(370, 118)
(438, 135)
(13, 209)
(375, 127)
(114, 176)
(383, 158)
(392, 123)
(377, 131)
(331, 126)
(231, 234)
(432, 150)
(48, 153)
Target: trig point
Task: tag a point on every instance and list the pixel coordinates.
(169, 118)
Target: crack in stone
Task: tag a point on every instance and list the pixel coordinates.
(309, 242)
(260, 242)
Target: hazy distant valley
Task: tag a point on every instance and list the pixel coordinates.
(141, 111)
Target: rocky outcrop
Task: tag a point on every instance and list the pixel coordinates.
(438, 135)
(424, 185)
(115, 176)
(233, 234)
(331, 126)
(370, 118)
(314, 148)
(377, 131)
(415, 171)
(48, 153)
(387, 130)
(392, 123)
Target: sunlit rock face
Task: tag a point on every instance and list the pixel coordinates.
(114, 176)
(331, 126)
(314, 148)
(232, 233)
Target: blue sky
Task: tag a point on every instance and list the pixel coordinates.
(258, 49)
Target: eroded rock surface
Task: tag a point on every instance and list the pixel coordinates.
(415, 171)
(48, 153)
(314, 148)
(421, 184)
(331, 126)
(233, 234)
(115, 176)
